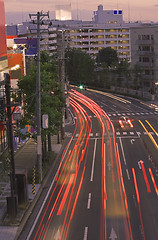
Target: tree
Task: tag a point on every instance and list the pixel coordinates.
(51, 96)
(79, 66)
(124, 72)
(107, 56)
(136, 76)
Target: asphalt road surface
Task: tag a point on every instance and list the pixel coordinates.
(105, 183)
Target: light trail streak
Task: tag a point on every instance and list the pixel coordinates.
(153, 180)
(102, 115)
(98, 112)
(124, 191)
(65, 195)
(151, 137)
(152, 128)
(111, 96)
(145, 176)
(73, 209)
(87, 130)
(70, 211)
(77, 157)
(138, 200)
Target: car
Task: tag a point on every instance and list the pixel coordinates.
(125, 122)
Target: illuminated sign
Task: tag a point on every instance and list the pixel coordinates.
(63, 12)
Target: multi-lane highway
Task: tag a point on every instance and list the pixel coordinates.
(105, 183)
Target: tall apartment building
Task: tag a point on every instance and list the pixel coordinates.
(144, 52)
(106, 30)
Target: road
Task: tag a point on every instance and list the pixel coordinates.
(104, 185)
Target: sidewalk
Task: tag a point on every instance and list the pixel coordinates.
(25, 158)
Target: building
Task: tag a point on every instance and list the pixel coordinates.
(107, 16)
(107, 29)
(144, 52)
(3, 46)
(3, 69)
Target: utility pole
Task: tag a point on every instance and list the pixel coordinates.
(61, 59)
(12, 200)
(10, 134)
(38, 20)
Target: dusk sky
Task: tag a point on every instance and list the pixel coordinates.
(133, 10)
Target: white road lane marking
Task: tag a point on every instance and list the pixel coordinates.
(124, 133)
(123, 154)
(89, 201)
(92, 171)
(85, 233)
(117, 133)
(127, 174)
(132, 133)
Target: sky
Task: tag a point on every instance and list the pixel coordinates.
(133, 10)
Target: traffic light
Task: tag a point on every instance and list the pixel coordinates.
(81, 86)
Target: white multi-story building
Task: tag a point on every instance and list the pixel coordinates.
(106, 30)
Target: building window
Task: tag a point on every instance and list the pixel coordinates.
(110, 30)
(111, 42)
(112, 22)
(145, 48)
(123, 36)
(123, 30)
(147, 72)
(146, 59)
(152, 37)
(123, 41)
(111, 36)
(145, 37)
(124, 47)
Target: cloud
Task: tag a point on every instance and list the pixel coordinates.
(156, 5)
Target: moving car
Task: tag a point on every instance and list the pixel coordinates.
(125, 122)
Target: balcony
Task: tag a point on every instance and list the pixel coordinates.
(146, 65)
(145, 42)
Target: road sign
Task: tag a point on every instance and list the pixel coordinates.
(45, 121)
